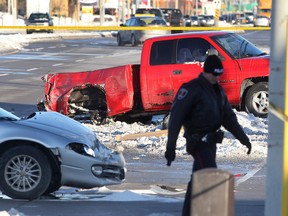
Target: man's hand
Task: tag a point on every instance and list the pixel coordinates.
(249, 146)
(170, 156)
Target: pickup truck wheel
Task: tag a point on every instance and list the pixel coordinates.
(257, 100)
(25, 172)
(133, 40)
(119, 40)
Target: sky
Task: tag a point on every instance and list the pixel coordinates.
(145, 146)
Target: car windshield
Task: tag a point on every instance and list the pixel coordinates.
(38, 17)
(5, 115)
(153, 21)
(237, 46)
(156, 12)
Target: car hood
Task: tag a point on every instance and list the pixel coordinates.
(57, 123)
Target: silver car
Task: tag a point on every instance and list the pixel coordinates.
(47, 150)
(135, 37)
(261, 21)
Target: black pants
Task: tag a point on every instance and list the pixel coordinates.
(204, 157)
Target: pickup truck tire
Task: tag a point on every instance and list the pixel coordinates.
(134, 41)
(257, 100)
(119, 41)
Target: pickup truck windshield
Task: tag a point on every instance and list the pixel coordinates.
(236, 46)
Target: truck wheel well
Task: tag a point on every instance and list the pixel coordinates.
(88, 103)
(246, 85)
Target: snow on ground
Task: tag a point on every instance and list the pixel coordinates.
(15, 42)
(230, 149)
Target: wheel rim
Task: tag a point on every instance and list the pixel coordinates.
(260, 102)
(23, 173)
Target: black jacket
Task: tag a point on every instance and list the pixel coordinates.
(201, 108)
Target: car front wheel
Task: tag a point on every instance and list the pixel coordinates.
(25, 172)
(134, 41)
(257, 100)
(119, 41)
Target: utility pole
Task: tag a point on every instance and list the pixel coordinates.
(101, 12)
(123, 11)
(277, 164)
(14, 11)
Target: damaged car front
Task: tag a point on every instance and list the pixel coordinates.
(47, 150)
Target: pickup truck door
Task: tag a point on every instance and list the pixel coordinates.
(166, 71)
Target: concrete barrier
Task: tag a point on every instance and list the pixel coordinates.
(212, 193)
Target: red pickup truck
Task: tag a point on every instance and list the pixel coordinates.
(137, 92)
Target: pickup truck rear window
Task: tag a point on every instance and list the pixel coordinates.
(162, 52)
(179, 51)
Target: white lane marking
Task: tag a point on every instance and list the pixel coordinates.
(247, 176)
(80, 60)
(67, 54)
(55, 65)
(32, 69)
(7, 71)
(107, 195)
(51, 47)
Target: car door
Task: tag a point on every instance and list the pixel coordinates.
(126, 34)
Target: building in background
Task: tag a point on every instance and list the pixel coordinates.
(265, 8)
(122, 9)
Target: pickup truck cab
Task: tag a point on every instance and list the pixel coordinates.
(137, 92)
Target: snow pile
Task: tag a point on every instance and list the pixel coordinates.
(255, 128)
(16, 42)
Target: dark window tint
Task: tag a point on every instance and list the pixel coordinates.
(162, 53)
(156, 12)
(192, 49)
(39, 16)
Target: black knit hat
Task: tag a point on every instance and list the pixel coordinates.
(213, 65)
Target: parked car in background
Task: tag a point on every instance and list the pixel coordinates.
(192, 21)
(135, 37)
(39, 19)
(207, 20)
(249, 17)
(173, 17)
(154, 11)
(261, 21)
(47, 150)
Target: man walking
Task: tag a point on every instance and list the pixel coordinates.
(201, 107)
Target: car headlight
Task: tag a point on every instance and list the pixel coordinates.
(81, 149)
(89, 151)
